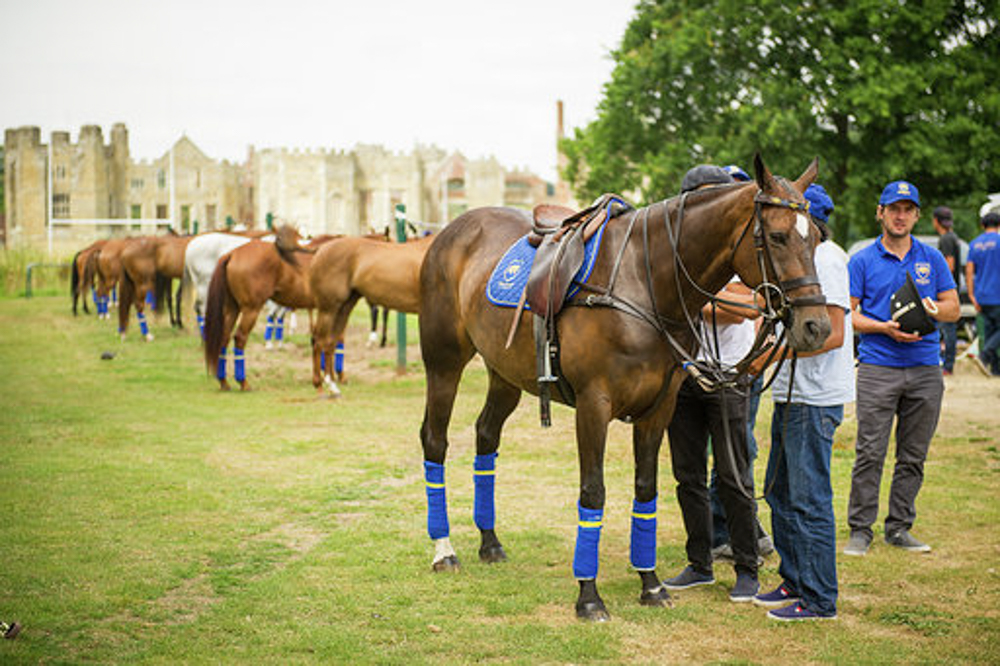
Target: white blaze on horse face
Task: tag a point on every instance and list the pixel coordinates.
(802, 225)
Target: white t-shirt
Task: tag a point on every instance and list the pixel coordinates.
(735, 340)
(827, 379)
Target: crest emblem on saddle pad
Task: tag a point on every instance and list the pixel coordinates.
(510, 274)
(923, 271)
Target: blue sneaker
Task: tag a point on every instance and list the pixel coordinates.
(688, 578)
(779, 596)
(797, 612)
(745, 589)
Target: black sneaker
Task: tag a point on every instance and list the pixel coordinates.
(10, 631)
(688, 578)
(858, 544)
(903, 539)
(746, 588)
(776, 598)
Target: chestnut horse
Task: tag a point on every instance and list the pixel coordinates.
(385, 274)
(84, 270)
(149, 265)
(244, 280)
(623, 339)
(109, 269)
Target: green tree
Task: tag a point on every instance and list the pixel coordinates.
(878, 89)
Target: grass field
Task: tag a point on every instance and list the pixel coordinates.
(146, 517)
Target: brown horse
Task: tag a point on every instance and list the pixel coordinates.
(244, 279)
(83, 271)
(109, 269)
(344, 270)
(622, 341)
(149, 264)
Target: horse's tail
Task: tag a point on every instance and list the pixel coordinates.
(215, 312)
(74, 283)
(126, 294)
(161, 292)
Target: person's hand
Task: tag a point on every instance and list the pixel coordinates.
(892, 330)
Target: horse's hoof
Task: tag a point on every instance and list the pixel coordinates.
(224, 387)
(149, 337)
(245, 386)
(492, 554)
(592, 611)
(449, 563)
(657, 597)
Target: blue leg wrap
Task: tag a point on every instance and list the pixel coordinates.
(279, 329)
(239, 365)
(101, 305)
(269, 329)
(437, 503)
(151, 299)
(588, 541)
(338, 358)
(114, 295)
(484, 478)
(143, 326)
(322, 361)
(643, 546)
(201, 326)
(220, 371)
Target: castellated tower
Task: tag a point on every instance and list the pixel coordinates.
(118, 170)
(25, 187)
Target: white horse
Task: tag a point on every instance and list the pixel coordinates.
(200, 258)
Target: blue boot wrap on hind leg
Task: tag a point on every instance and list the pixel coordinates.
(484, 479)
(279, 329)
(269, 329)
(338, 359)
(643, 545)
(588, 542)
(143, 326)
(239, 365)
(201, 326)
(437, 503)
(220, 370)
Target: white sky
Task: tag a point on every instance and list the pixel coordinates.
(478, 77)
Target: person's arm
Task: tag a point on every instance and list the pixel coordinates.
(945, 308)
(742, 305)
(970, 282)
(833, 341)
(864, 324)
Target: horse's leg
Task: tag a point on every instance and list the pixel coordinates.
(143, 294)
(444, 361)
(373, 334)
(646, 440)
(385, 327)
(343, 314)
(592, 417)
(248, 317)
(501, 400)
(322, 345)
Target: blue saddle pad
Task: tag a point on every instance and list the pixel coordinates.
(510, 276)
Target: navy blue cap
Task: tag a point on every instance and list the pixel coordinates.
(899, 190)
(820, 203)
(704, 174)
(736, 172)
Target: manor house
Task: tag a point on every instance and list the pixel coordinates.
(62, 195)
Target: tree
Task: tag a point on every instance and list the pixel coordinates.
(878, 89)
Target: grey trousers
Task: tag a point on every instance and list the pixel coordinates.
(911, 396)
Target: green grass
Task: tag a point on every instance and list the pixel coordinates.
(145, 517)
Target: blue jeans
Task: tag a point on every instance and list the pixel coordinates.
(720, 534)
(949, 337)
(991, 337)
(801, 501)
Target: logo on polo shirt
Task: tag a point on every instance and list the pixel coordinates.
(923, 270)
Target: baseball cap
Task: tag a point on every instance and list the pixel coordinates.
(820, 203)
(736, 172)
(944, 216)
(704, 174)
(899, 190)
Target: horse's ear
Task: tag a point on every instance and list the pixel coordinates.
(808, 176)
(765, 181)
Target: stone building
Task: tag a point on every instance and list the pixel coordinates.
(97, 190)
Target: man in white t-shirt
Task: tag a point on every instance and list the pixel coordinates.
(802, 428)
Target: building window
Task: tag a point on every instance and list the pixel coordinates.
(185, 218)
(197, 178)
(136, 211)
(60, 172)
(456, 185)
(161, 211)
(60, 205)
(137, 183)
(161, 179)
(210, 216)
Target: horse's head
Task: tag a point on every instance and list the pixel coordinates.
(775, 255)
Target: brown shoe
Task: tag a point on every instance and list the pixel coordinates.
(10, 631)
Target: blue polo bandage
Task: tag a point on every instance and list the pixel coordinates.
(239, 365)
(322, 361)
(338, 358)
(143, 326)
(588, 542)
(643, 546)
(114, 295)
(151, 299)
(437, 502)
(279, 328)
(484, 478)
(220, 371)
(269, 329)
(201, 326)
(102, 304)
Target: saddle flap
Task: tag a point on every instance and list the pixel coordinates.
(556, 262)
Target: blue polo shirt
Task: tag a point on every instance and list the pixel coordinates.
(876, 274)
(984, 252)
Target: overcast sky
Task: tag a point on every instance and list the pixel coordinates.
(478, 77)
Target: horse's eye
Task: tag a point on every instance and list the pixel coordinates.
(778, 237)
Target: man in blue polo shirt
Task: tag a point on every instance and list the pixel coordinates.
(982, 274)
(899, 373)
